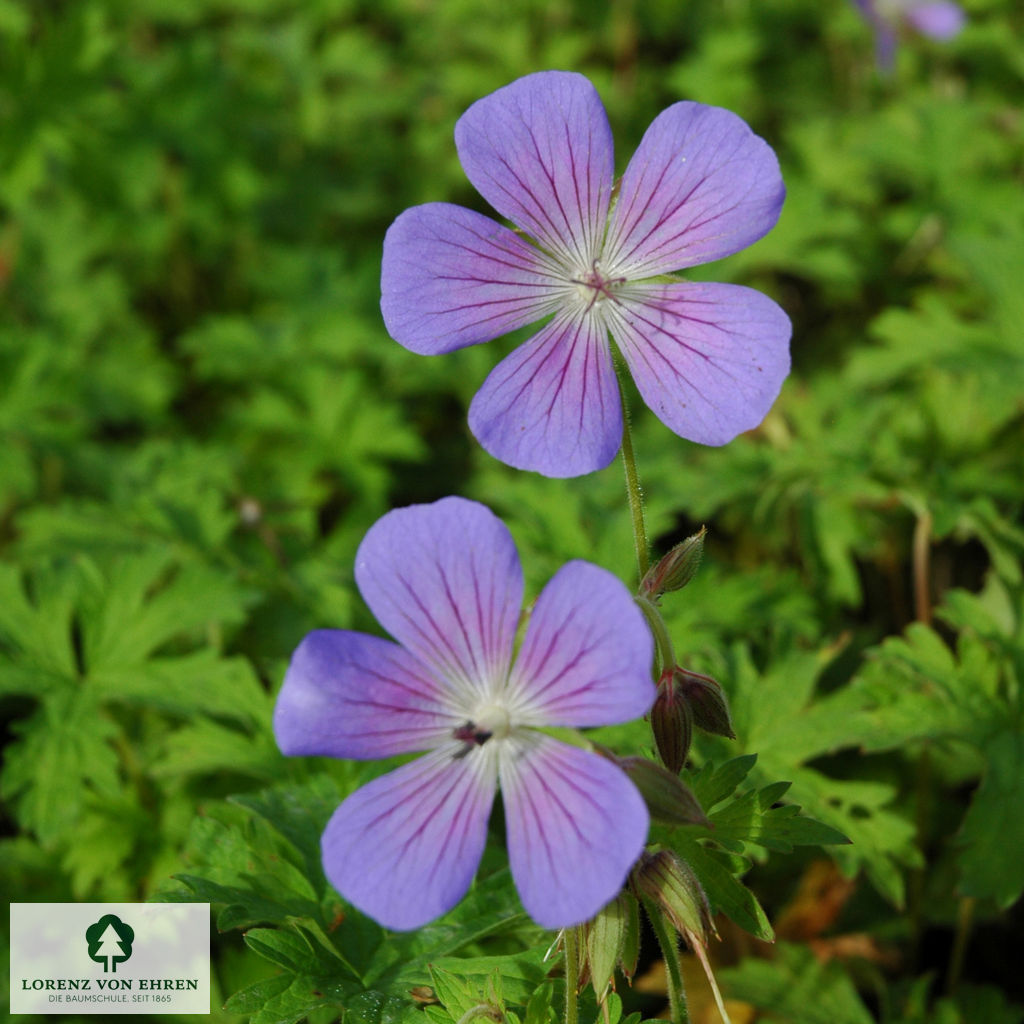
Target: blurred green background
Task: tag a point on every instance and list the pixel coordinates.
(201, 414)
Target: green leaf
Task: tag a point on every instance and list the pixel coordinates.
(992, 834)
(520, 974)
(539, 1007)
(492, 905)
(712, 784)
(208, 748)
(723, 890)
(63, 754)
(254, 997)
(797, 988)
(37, 631)
(378, 1008)
(455, 993)
(201, 682)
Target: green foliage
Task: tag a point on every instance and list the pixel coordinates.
(201, 414)
(798, 989)
(258, 858)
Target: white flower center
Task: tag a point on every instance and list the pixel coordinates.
(593, 285)
(493, 719)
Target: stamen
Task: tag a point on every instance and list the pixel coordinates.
(471, 735)
(594, 287)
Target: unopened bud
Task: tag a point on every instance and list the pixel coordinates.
(672, 722)
(668, 798)
(674, 570)
(707, 703)
(673, 887)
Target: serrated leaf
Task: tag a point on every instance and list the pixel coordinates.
(63, 751)
(201, 682)
(284, 948)
(722, 889)
(712, 784)
(300, 814)
(137, 604)
(254, 997)
(519, 973)
(207, 747)
(36, 631)
(992, 835)
(539, 1008)
(753, 818)
(455, 992)
(377, 1008)
(492, 905)
(797, 987)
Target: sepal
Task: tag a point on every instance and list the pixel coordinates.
(707, 702)
(672, 721)
(668, 798)
(675, 569)
(671, 885)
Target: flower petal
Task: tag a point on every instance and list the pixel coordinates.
(553, 405)
(404, 848)
(586, 658)
(575, 823)
(709, 359)
(445, 581)
(451, 278)
(938, 19)
(700, 186)
(540, 152)
(352, 695)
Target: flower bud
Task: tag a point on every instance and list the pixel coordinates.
(668, 798)
(671, 722)
(675, 569)
(673, 887)
(707, 702)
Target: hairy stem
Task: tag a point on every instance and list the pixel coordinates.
(663, 642)
(634, 494)
(666, 937)
(572, 967)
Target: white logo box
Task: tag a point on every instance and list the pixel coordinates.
(74, 958)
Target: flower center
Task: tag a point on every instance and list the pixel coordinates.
(491, 721)
(593, 286)
(494, 720)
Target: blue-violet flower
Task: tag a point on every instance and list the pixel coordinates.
(445, 581)
(708, 359)
(936, 19)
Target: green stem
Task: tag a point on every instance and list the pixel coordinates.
(964, 919)
(572, 975)
(666, 650)
(666, 937)
(635, 496)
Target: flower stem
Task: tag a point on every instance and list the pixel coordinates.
(634, 493)
(572, 967)
(964, 919)
(663, 642)
(666, 937)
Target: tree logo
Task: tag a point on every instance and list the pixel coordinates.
(110, 942)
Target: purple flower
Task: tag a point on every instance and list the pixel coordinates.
(445, 581)
(708, 359)
(937, 19)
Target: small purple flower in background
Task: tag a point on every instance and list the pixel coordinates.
(708, 359)
(445, 581)
(937, 19)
